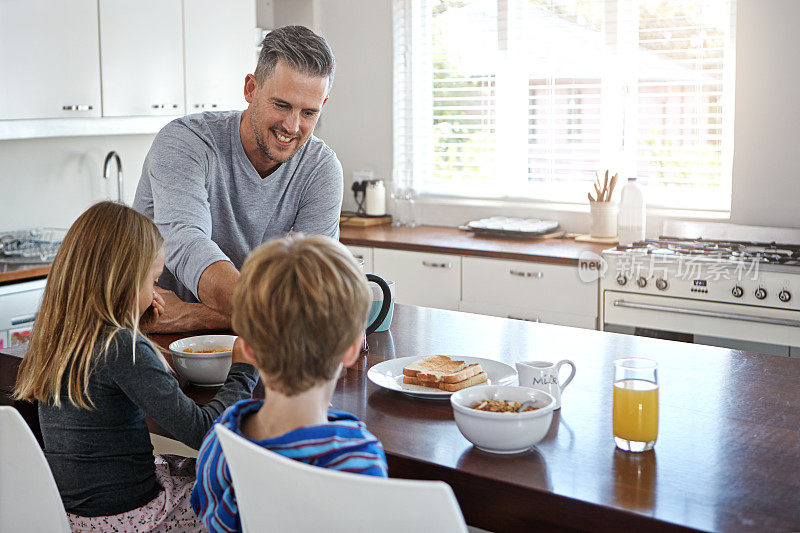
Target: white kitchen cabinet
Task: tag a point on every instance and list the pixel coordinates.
(364, 253)
(529, 291)
(49, 59)
(220, 52)
(529, 314)
(426, 279)
(141, 51)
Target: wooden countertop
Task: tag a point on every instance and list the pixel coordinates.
(15, 272)
(454, 241)
(421, 239)
(727, 456)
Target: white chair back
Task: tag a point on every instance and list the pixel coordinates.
(275, 493)
(29, 499)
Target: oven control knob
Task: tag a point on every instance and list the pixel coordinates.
(737, 291)
(641, 282)
(784, 295)
(661, 284)
(622, 280)
(761, 293)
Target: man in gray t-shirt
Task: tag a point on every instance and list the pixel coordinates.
(218, 184)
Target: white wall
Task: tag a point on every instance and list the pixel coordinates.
(49, 182)
(357, 119)
(766, 161)
(357, 122)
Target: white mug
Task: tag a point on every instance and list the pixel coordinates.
(543, 375)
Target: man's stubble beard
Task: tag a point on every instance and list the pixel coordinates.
(262, 144)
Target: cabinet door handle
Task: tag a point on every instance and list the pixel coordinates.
(77, 107)
(164, 106)
(523, 274)
(17, 320)
(436, 265)
(205, 106)
(536, 319)
(361, 257)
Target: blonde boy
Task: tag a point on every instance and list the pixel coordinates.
(300, 308)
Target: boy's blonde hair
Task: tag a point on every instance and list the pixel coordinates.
(92, 292)
(299, 304)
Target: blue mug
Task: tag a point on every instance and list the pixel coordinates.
(377, 304)
(384, 307)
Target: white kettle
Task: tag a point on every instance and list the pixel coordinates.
(375, 199)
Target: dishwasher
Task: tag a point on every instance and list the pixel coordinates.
(19, 303)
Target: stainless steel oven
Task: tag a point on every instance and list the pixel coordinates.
(737, 294)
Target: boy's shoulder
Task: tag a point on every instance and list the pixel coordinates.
(345, 420)
(342, 431)
(231, 417)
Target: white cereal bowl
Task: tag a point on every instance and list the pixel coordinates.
(206, 369)
(502, 432)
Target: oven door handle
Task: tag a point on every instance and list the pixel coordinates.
(712, 314)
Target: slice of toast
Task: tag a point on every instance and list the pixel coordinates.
(413, 380)
(455, 377)
(433, 367)
(480, 377)
(463, 384)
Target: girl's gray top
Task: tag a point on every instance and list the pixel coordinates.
(211, 205)
(102, 458)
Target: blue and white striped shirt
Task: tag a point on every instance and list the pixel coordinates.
(344, 443)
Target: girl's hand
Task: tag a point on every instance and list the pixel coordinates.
(154, 312)
(238, 355)
(158, 305)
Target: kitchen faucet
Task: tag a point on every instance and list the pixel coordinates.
(107, 171)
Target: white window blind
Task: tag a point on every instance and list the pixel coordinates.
(528, 98)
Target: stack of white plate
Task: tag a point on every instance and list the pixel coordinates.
(512, 227)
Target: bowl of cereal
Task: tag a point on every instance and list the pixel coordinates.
(488, 416)
(203, 359)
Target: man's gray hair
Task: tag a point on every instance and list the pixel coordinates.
(303, 49)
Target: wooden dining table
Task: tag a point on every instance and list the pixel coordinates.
(727, 456)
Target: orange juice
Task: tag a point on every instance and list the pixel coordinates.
(636, 410)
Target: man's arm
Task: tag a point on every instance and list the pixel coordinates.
(321, 203)
(176, 169)
(216, 285)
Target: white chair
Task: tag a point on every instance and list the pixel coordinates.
(275, 493)
(29, 499)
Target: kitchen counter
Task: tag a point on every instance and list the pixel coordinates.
(454, 241)
(422, 239)
(726, 459)
(16, 272)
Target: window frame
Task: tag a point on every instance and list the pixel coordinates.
(410, 163)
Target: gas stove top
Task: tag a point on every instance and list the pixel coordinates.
(737, 251)
(756, 273)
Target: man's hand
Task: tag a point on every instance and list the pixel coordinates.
(177, 316)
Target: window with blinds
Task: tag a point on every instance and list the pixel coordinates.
(528, 98)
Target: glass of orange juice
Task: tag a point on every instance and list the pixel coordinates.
(635, 404)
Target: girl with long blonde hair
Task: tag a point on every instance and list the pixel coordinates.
(95, 378)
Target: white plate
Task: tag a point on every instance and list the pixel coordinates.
(389, 375)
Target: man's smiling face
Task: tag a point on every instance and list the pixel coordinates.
(284, 110)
